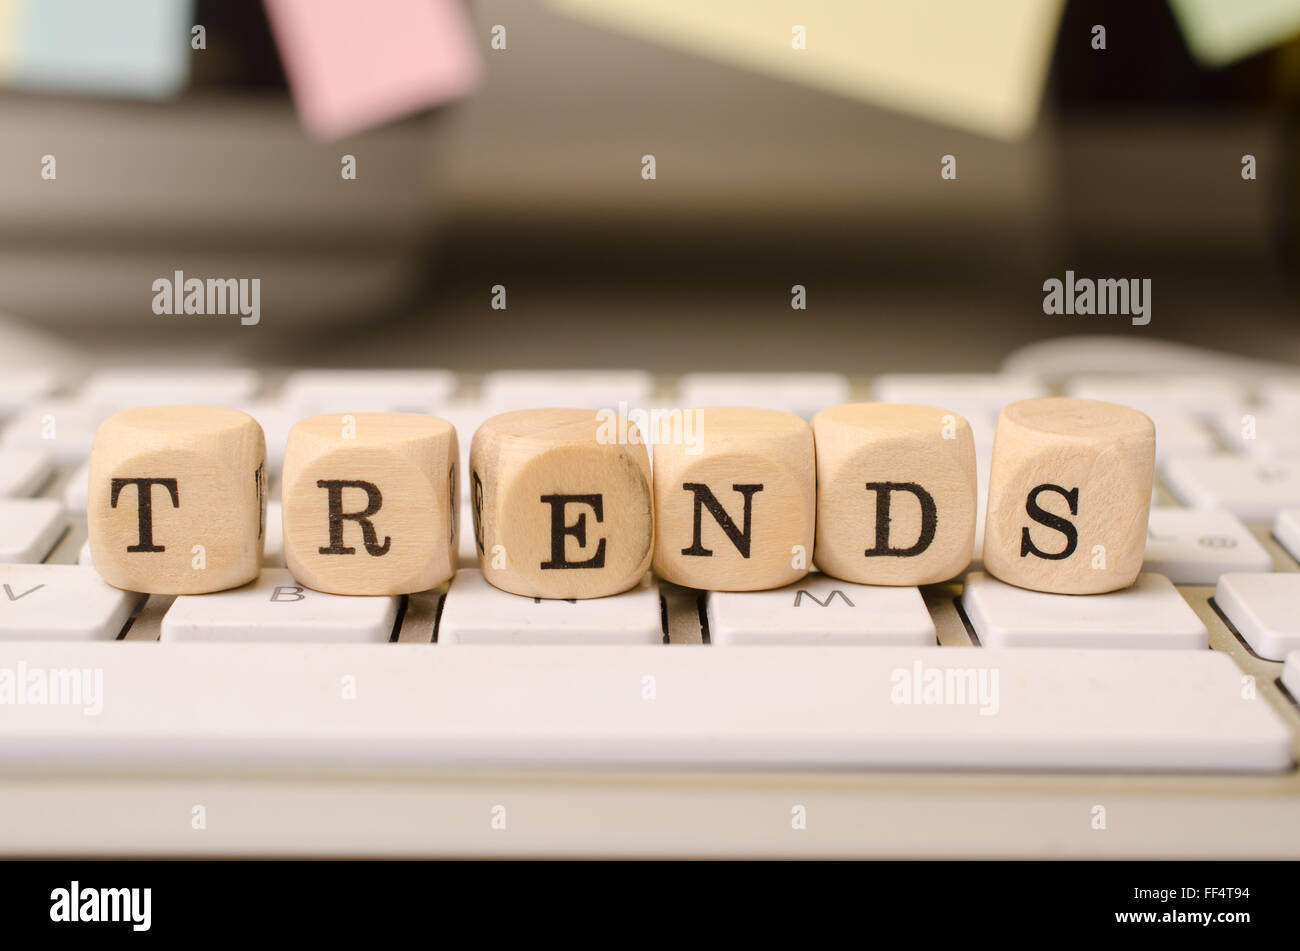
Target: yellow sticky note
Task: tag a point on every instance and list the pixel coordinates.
(8, 36)
(979, 66)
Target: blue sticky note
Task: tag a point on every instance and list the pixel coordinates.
(118, 48)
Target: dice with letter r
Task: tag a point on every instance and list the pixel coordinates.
(176, 499)
(895, 493)
(1069, 495)
(369, 503)
(562, 503)
(734, 498)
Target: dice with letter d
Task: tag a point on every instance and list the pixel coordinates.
(895, 493)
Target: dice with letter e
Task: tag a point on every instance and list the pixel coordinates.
(176, 499)
(895, 493)
(369, 503)
(735, 498)
(1069, 494)
(562, 503)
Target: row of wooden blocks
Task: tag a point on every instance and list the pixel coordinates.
(566, 505)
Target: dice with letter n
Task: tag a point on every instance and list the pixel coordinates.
(1069, 495)
(369, 503)
(562, 503)
(896, 493)
(734, 498)
(177, 499)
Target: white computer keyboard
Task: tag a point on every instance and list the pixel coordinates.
(970, 718)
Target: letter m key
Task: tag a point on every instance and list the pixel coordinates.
(798, 598)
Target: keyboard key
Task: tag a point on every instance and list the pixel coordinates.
(1263, 609)
(265, 707)
(467, 547)
(983, 426)
(273, 553)
(977, 393)
(821, 610)
(76, 491)
(1150, 614)
(1253, 490)
(1291, 674)
(804, 394)
(1195, 546)
(477, 613)
(1179, 434)
(113, 390)
(570, 389)
(29, 529)
(24, 471)
(466, 416)
(20, 386)
(84, 556)
(983, 468)
(315, 392)
(277, 608)
(1264, 433)
(60, 602)
(276, 419)
(1286, 529)
(1201, 396)
(63, 428)
(1281, 393)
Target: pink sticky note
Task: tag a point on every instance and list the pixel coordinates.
(353, 64)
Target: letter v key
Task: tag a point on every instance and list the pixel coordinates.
(16, 597)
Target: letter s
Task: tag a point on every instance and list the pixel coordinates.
(1043, 517)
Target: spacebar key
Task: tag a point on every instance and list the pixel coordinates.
(288, 707)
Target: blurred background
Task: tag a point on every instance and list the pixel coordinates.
(523, 167)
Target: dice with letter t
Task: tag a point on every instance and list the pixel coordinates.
(369, 503)
(177, 499)
(1069, 495)
(562, 503)
(895, 493)
(734, 498)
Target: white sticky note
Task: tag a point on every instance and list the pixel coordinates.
(1220, 31)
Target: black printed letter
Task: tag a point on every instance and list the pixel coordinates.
(1062, 525)
(476, 507)
(144, 495)
(578, 530)
(929, 519)
(704, 498)
(373, 501)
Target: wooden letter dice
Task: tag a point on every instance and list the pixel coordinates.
(561, 502)
(369, 503)
(734, 503)
(177, 499)
(895, 493)
(1069, 494)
